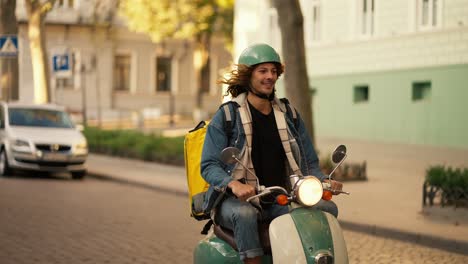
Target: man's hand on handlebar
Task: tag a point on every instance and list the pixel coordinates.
(241, 190)
(335, 186)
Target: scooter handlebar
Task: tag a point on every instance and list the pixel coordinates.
(327, 186)
(266, 190)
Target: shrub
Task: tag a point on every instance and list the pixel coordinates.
(134, 144)
(435, 175)
(448, 178)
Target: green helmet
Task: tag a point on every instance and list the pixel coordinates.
(258, 53)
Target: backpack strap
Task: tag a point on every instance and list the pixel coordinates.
(207, 227)
(290, 111)
(229, 118)
(283, 133)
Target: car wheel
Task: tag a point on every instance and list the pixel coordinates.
(78, 175)
(5, 169)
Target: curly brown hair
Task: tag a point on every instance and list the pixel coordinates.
(239, 78)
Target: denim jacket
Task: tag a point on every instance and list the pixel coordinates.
(218, 174)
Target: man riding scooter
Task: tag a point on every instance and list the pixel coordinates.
(267, 157)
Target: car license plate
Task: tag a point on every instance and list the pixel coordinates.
(55, 157)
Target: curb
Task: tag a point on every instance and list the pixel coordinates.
(107, 177)
(451, 245)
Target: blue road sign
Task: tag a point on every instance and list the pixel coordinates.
(61, 62)
(8, 45)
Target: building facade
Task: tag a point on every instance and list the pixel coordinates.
(99, 66)
(388, 71)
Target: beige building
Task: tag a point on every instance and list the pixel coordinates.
(113, 73)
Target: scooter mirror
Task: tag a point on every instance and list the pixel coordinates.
(230, 155)
(339, 154)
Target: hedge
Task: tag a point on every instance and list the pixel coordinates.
(134, 144)
(450, 184)
(447, 178)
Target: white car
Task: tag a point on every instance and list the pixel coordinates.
(40, 138)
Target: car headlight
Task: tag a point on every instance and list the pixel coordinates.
(82, 145)
(20, 143)
(309, 191)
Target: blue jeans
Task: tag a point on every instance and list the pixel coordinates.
(242, 218)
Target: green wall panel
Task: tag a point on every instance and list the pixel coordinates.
(390, 114)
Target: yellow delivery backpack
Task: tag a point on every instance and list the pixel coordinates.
(197, 186)
(193, 147)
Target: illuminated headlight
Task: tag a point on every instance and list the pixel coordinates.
(309, 191)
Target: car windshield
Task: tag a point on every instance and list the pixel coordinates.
(39, 118)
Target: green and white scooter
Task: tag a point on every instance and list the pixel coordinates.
(304, 235)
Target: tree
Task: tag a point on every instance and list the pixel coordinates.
(9, 66)
(194, 20)
(37, 11)
(291, 22)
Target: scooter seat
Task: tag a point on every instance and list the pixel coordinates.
(228, 236)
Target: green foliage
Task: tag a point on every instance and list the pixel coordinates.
(133, 144)
(180, 19)
(447, 178)
(435, 175)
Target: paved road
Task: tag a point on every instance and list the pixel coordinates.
(368, 249)
(56, 220)
(64, 221)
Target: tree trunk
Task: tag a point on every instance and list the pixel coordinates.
(41, 75)
(9, 65)
(290, 21)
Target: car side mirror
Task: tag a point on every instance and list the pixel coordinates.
(79, 127)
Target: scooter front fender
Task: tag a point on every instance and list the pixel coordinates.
(305, 235)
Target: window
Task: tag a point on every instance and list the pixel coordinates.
(366, 17)
(205, 77)
(122, 73)
(163, 74)
(315, 34)
(66, 69)
(361, 93)
(313, 91)
(39, 118)
(2, 118)
(421, 91)
(65, 3)
(65, 83)
(428, 13)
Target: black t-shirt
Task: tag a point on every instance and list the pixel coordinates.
(268, 156)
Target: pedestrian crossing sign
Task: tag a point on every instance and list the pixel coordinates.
(8, 45)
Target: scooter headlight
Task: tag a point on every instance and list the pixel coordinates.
(309, 191)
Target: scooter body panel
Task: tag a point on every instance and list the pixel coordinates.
(302, 236)
(212, 250)
(340, 251)
(286, 244)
